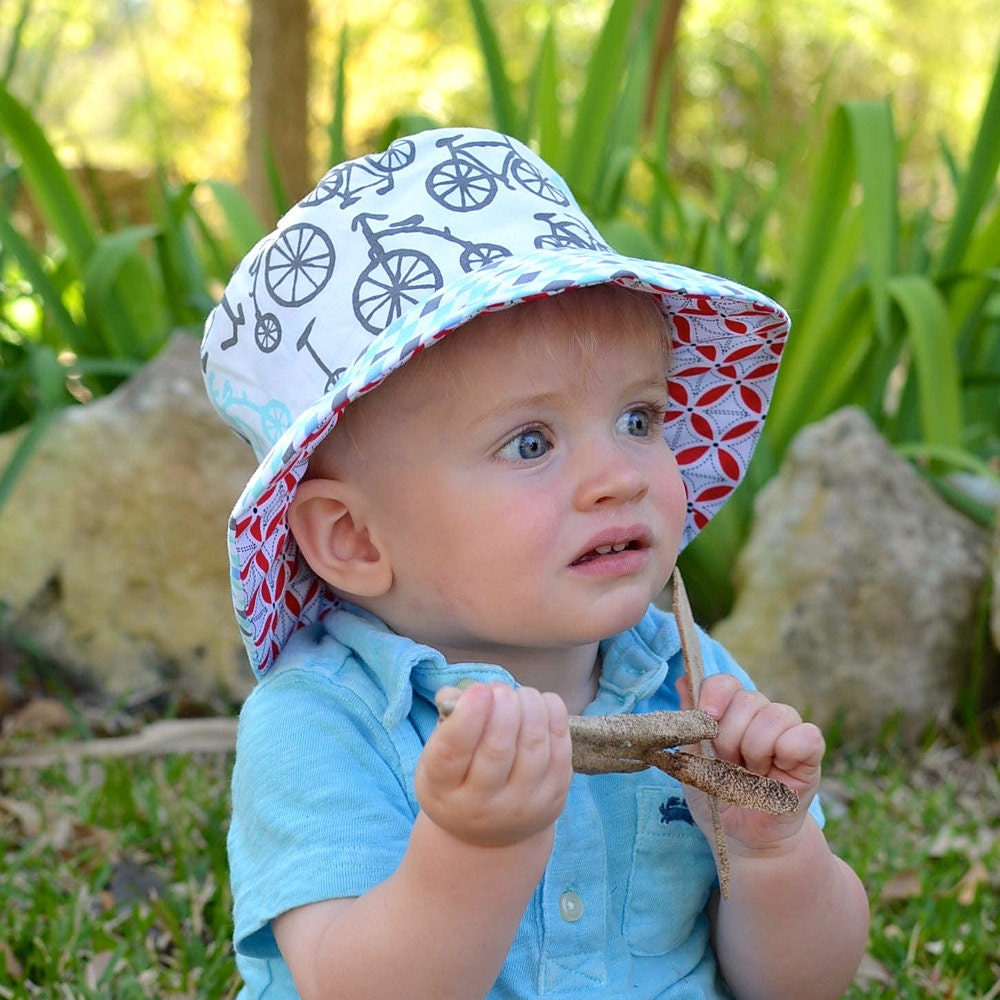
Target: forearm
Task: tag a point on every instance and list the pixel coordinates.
(440, 927)
(795, 925)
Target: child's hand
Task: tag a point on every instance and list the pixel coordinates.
(765, 737)
(498, 769)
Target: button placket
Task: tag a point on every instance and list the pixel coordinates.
(574, 899)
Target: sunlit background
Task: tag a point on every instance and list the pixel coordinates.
(122, 83)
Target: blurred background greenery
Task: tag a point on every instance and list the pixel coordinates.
(841, 156)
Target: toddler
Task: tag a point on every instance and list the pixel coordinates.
(484, 438)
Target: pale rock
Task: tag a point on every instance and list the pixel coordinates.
(857, 590)
(112, 544)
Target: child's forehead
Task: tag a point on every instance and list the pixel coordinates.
(589, 320)
(572, 331)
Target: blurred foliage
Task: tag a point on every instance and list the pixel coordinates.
(131, 82)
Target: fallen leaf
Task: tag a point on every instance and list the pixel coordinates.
(14, 968)
(40, 717)
(872, 971)
(976, 876)
(27, 816)
(904, 885)
(97, 967)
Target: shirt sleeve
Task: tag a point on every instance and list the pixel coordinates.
(321, 807)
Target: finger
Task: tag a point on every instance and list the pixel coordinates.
(448, 754)
(559, 774)
(532, 750)
(799, 753)
(717, 691)
(496, 750)
(734, 722)
(771, 721)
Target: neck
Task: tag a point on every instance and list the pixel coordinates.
(571, 673)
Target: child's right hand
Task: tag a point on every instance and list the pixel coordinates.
(498, 769)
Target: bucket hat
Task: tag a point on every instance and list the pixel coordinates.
(390, 253)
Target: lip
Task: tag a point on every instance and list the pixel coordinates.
(637, 540)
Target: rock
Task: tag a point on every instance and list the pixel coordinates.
(858, 587)
(112, 544)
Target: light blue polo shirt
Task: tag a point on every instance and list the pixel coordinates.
(323, 805)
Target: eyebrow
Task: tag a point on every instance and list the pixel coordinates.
(539, 400)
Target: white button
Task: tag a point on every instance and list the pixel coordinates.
(570, 907)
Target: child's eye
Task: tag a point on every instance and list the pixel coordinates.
(525, 446)
(637, 422)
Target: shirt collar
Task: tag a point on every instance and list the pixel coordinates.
(635, 663)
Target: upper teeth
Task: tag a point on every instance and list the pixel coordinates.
(603, 550)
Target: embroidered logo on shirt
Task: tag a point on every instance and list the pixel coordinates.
(675, 810)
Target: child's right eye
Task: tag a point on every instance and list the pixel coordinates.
(525, 446)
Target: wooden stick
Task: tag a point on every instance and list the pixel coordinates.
(695, 670)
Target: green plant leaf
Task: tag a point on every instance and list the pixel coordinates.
(48, 182)
(874, 145)
(979, 181)
(544, 107)
(586, 150)
(939, 386)
(74, 335)
(242, 225)
(22, 453)
(335, 130)
(501, 93)
(121, 294)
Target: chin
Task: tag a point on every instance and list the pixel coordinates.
(619, 620)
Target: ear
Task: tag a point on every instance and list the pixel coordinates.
(326, 517)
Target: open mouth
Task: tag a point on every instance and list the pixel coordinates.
(605, 550)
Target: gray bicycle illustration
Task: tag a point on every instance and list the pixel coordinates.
(395, 279)
(303, 344)
(465, 181)
(348, 180)
(298, 264)
(566, 233)
(296, 268)
(266, 327)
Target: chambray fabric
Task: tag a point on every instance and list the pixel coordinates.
(323, 804)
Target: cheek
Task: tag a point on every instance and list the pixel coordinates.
(672, 496)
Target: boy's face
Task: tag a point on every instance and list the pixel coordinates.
(517, 478)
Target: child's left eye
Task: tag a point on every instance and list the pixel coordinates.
(636, 422)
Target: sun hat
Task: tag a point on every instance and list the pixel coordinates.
(391, 252)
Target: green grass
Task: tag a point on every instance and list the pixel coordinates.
(924, 834)
(114, 881)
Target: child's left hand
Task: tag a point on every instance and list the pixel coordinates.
(765, 737)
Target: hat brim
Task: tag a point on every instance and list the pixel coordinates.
(726, 344)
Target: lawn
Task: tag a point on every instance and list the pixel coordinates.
(115, 877)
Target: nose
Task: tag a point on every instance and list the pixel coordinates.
(607, 475)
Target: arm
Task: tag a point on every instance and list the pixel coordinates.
(491, 782)
(796, 921)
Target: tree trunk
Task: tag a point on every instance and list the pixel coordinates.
(277, 144)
